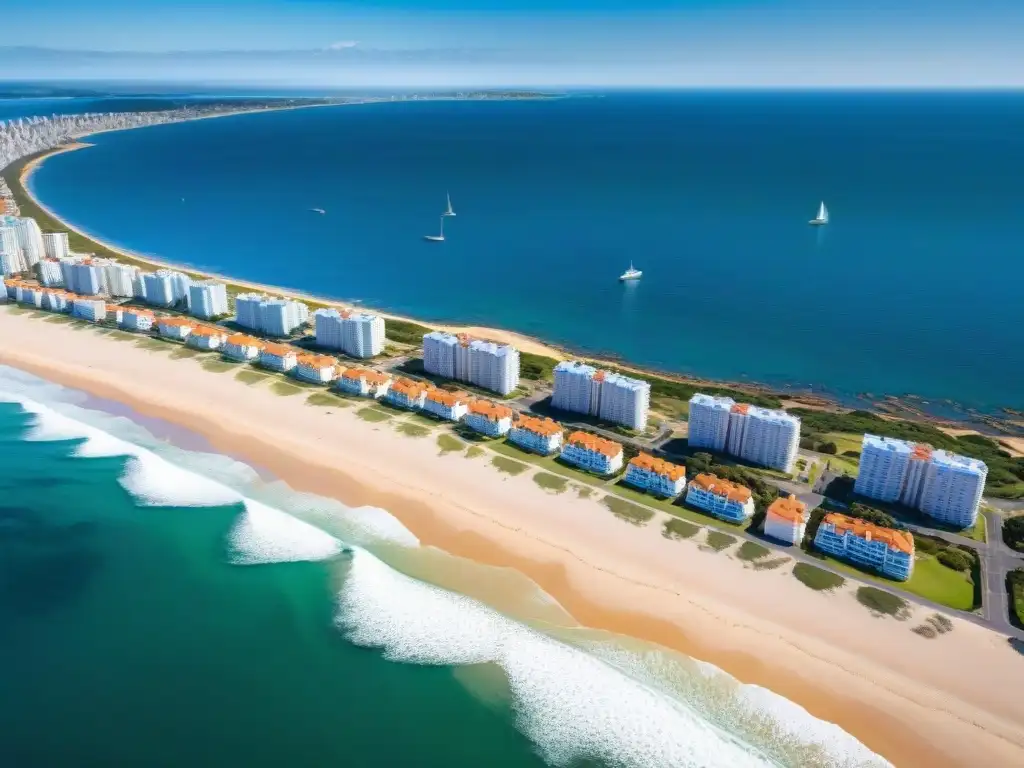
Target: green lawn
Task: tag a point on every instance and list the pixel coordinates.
(328, 400)
(844, 442)
(625, 510)
(750, 551)
(817, 579)
(508, 466)
(718, 541)
(449, 443)
(978, 532)
(679, 529)
(249, 376)
(473, 451)
(549, 482)
(372, 415)
(1017, 588)
(412, 430)
(885, 603)
(285, 389)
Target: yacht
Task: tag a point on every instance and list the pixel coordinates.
(450, 211)
(439, 238)
(318, 210)
(630, 274)
(821, 219)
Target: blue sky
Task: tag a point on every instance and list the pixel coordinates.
(843, 43)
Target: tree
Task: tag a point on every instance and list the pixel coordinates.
(830, 448)
(1013, 533)
(955, 559)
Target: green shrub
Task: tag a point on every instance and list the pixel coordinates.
(955, 559)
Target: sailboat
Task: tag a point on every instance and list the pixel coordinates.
(450, 211)
(630, 274)
(437, 238)
(822, 217)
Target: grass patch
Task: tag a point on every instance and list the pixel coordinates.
(184, 353)
(817, 579)
(508, 466)
(882, 602)
(59, 319)
(425, 420)
(750, 551)
(328, 400)
(372, 415)
(548, 463)
(718, 541)
(1015, 588)
(449, 443)
(412, 430)
(550, 482)
(474, 451)
(285, 389)
(216, 366)
(628, 511)
(584, 491)
(978, 532)
(771, 564)
(679, 529)
(251, 377)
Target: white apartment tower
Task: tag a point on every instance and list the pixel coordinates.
(769, 438)
(50, 273)
(941, 484)
(611, 396)
(119, 278)
(484, 363)
(709, 423)
(207, 299)
(357, 334)
(272, 316)
(31, 239)
(10, 250)
(55, 244)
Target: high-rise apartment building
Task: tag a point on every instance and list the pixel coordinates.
(582, 388)
(357, 334)
(272, 316)
(769, 438)
(55, 245)
(207, 299)
(483, 363)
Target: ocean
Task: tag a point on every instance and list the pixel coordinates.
(914, 287)
(163, 605)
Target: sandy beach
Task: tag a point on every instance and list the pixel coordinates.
(951, 700)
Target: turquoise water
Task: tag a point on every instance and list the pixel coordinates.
(915, 287)
(166, 607)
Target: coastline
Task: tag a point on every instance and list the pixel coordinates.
(820, 651)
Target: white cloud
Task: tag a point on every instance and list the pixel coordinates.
(342, 45)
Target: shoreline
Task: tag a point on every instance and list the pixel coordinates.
(908, 704)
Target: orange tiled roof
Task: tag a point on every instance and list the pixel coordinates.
(409, 388)
(279, 350)
(599, 376)
(371, 376)
(740, 408)
(317, 361)
(241, 340)
(901, 540)
(594, 443)
(490, 410)
(177, 321)
(658, 466)
(114, 308)
(138, 312)
(447, 399)
(207, 330)
(545, 427)
(922, 451)
(719, 487)
(788, 508)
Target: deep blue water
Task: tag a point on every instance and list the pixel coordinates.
(915, 286)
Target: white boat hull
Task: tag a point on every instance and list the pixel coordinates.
(624, 278)
(434, 238)
(818, 222)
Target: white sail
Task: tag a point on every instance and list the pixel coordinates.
(450, 211)
(823, 212)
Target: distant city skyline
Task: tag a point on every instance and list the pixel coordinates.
(668, 43)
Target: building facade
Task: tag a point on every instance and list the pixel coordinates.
(364, 382)
(55, 245)
(175, 327)
(723, 499)
(786, 520)
(406, 393)
(50, 273)
(92, 310)
(242, 348)
(593, 453)
(137, 319)
(357, 334)
(886, 550)
(278, 357)
(709, 422)
(208, 299)
(483, 363)
(657, 476)
(543, 436)
(451, 406)
(316, 369)
(206, 337)
(582, 388)
(272, 316)
(763, 436)
(489, 418)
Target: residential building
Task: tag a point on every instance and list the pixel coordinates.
(133, 319)
(175, 327)
(786, 520)
(543, 436)
(407, 393)
(317, 369)
(164, 288)
(761, 436)
(208, 299)
(278, 357)
(722, 498)
(582, 388)
(242, 348)
(28, 236)
(593, 453)
(55, 245)
(483, 363)
(941, 484)
(83, 276)
(50, 273)
(31, 295)
(365, 382)
(92, 310)
(55, 300)
(119, 278)
(11, 254)
(357, 334)
(489, 418)
(272, 316)
(451, 406)
(657, 476)
(886, 550)
(207, 337)
(115, 312)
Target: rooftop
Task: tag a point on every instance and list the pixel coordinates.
(241, 340)
(173, 322)
(658, 466)
(711, 401)
(208, 330)
(447, 399)
(490, 410)
(539, 426)
(594, 443)
(409, 388)
(899, 540)
(788, 508)
(317, 361)
(279, 350)
(370, 376)
(719, 487)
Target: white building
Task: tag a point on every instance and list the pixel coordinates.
(316, 369)
(208, 299)
(483, 363)
(451, 406)
(770, 438)
(357, 334)
(593, 453)
(84, 277)
(242, 348)
(272, 316)
(55, 300)
(175, 327)
(50, 273)
(541, 436)
(115, 312)
(278, 357)
(55, 245)
(941, 484)
(133, 319)
(365, 382)
(786, 520)
(30, 238)
(582, 388)
(164, 288)
(119, 278)
(31, 295)
(206, 337)
(723, 499)
(10, 248)
(92, 310)
(489, 418)
(657, 476)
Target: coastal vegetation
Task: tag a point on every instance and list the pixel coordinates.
(750, 551)
(474, 451)
(882, 602)
(449, 443)
(817, 579)
(718, 541)
(328, 400)
(550, 482)
(679, 529)
(372, 414)
(508, 466)
(1005, 472)
(536, 367)
(1015, 588)
(1013, 533)
(625, 510)
(405, 332)
(412, 430)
